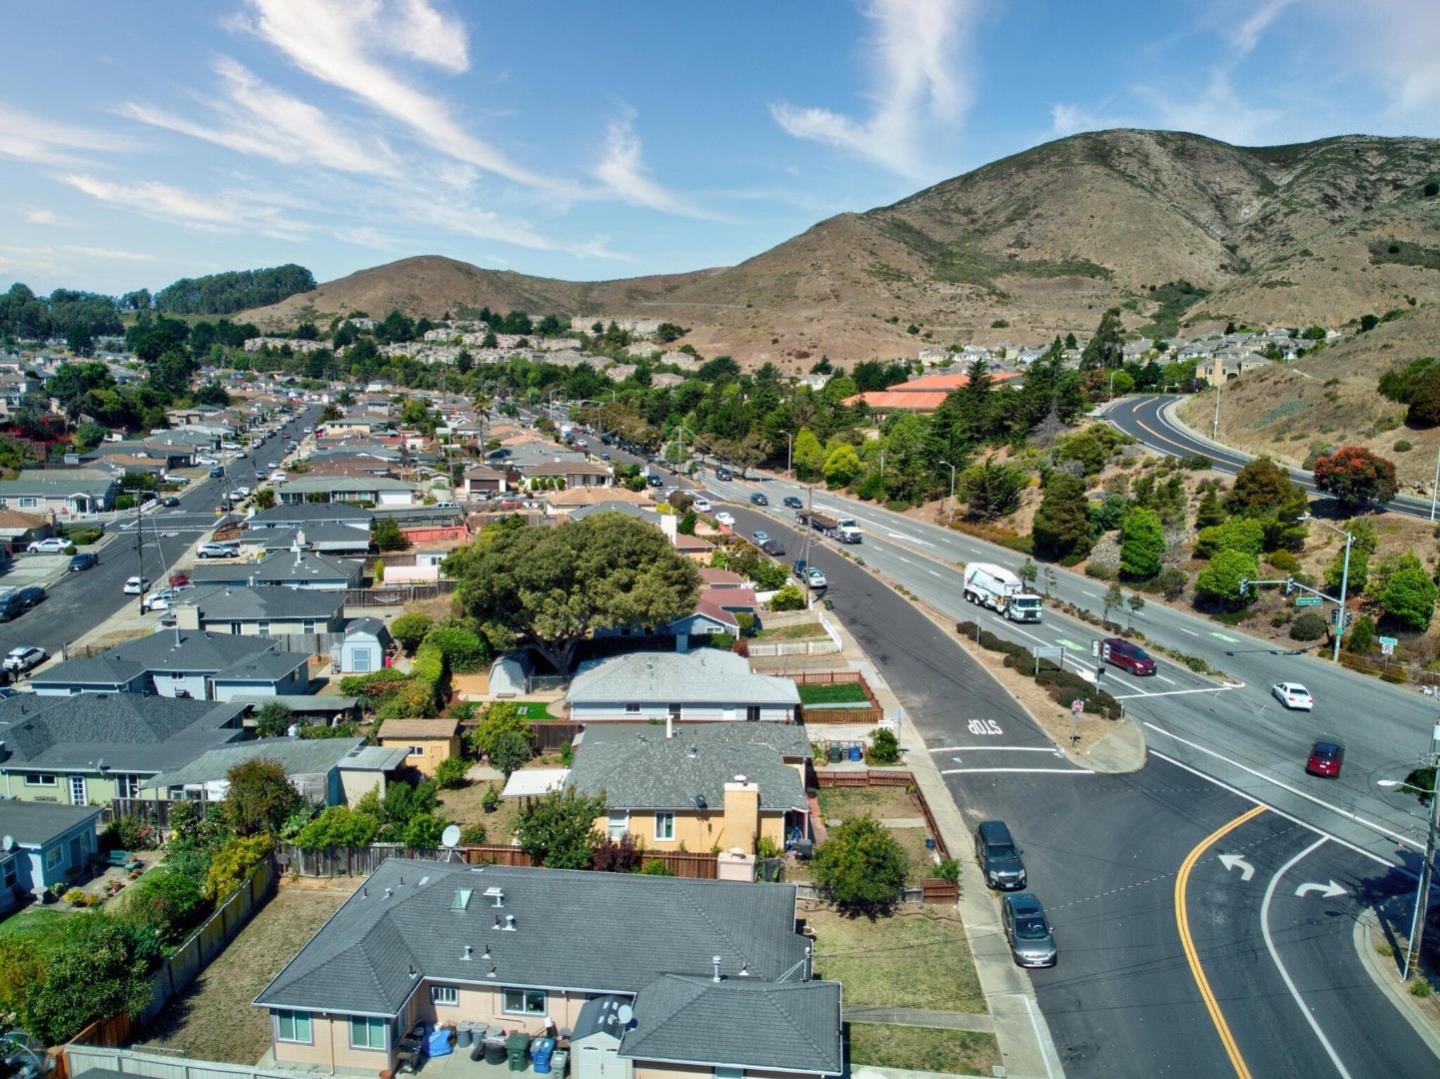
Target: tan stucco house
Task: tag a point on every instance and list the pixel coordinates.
(427, 741)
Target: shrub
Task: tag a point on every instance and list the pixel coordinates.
(654, 867)
(375, 684)
(1142, 543)
(861, 866)
(464, 650)
(948, 869)
(788, 598)
(233, 862)
(1102, 571)
(1219, 582)
(557, 831)
(1172, 582)
(100, 968)
(450, 773)
(884, 747)
(474, 835)
(1403, 445)
(339, 826)
(1237, 534)
(171, 900)
(1284, 561)
(616, 855)
(1308, 626)
(129, 833)
(410, 629)
(1360, 638)
(490, 801)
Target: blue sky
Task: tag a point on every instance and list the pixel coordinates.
(593, 140)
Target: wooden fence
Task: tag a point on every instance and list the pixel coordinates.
(156, 1063)
(362, 861)
(397, 595)
(872, 713)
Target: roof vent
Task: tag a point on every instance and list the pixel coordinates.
(491, 972)
(496, 894)
(694, 752)
(715, 960)
(487, 953)
(413, 972)
(509, 923)
(700, 802)
(497, 922)
(469, 952)
(389, 892)
(744, 970)
(738, 779)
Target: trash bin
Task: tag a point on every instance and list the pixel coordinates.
(494, 1050)
(477, 1052)
(834, 753)
(516, 1047)
(541, 1050)
(856, 754)
(463, 1036)
(560, 1063)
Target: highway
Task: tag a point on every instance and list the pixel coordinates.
(1149, 420)
(79, 602)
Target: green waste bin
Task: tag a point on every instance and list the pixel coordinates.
(517, 1049)
(834, 753)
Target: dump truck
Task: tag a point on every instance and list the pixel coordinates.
(844, 529)
(1001, 591)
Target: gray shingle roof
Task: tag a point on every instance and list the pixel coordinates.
(320, 537)
(306, 485)
(649, 771)
(298, 756)
(128, 731)
(738, 1022)
(630, 509)
(280, 567)
(59, 481)
(706, 676)
(790, 740)
(306, 514)
(35, 823)
(223, 603)
(223, 655)
(592, 932)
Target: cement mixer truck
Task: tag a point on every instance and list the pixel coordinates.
(1001, 591)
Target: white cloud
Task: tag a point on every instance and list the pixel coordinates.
(44, 217)
(227, 212)
(257, 119)
(1247, 35)
(28, 137)
(108, 254)
(339, 42)
(624, 174)
(1067, 118)
(365, 236)
(1398, 42)
(916, 51)
(1217, 112)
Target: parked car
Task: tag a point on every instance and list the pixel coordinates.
(759, 499)
(814, 578)
(24, 657)
(654, 480)
(726, 518)
(1293, 695)
(206, 462)
(1032, 941)
(1325, 760)
(216, 550)
(759, 536)
(49, 545)
(30, 596)
(1121, 653)
(774, 548)
(998, 857)
(83, 561)
(793, 502)
(136, 586)
(216, 472)
(701, 504)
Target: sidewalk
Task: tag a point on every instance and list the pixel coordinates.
(1020, 1029)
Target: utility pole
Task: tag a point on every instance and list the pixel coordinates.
(1215, 423)
(134, 492)
(1344, 579)
(790, 460)
(1427, 870)
(809, 535)
(1435, 487)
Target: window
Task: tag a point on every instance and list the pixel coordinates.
(307, 626)
(28, 502)
(293, 1027)
(264, 629)
(416, 751)
(523, 1002)
(729, 1073)
(444, 994)
(54, 856)
(617, 823)
(39, 779)
(367, 1033)
(632, 709)
(752, 713)
(664, 825)
(235, 628)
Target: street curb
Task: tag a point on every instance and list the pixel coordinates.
(1168, 410)
(1374, 965)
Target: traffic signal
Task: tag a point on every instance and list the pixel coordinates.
(1244, 585)
(1289, 585)
(1335, 619)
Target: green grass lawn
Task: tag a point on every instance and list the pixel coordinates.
(536, 710)
(910, 959)
(835, 693)
(44, 926)
(803, 631)
(959, 1052)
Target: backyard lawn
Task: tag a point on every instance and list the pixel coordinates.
(884, 803)
(213, 1018)
(464, 807)
(910, 959)
(958, 1052)
(804, 631)
(833, 693)
(534, 710)
(46, 927)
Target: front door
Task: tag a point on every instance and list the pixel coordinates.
(77, 791)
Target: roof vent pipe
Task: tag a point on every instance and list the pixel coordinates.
(510, 923)
(716, 961)
(469, 952)
(388, 893)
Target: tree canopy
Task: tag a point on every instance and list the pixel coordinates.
(234, 290)
(550, 586)
(1356, 477)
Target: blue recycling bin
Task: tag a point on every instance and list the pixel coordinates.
(540, 1052)
(856, 754)
(437, 1042)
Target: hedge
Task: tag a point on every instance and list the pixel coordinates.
(1062, 686)
(464, 650)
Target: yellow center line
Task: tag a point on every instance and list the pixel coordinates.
(1182, 922)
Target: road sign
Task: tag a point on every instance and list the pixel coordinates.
(1077, 707)
(1388, 641)
(1387, 649)
(1308, 601)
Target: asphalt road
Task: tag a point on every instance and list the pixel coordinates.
(1104, 853)
(79, 602)
(1147, 420)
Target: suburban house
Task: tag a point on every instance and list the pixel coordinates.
(261, 612)
(648, 514)
(327, 771)
(89, 749)
(715, 976)
(285, 569)
(63, 492)
(426, 742)
(18, 529)
(921, 395)
(699, 787)
(48, 844)
(485, 480)
(363, 650)
(376, 490)
(696, 548)
(580, 473)
(708, 619)
(706, 685)
(326, 527)
(1221, 368)
(182, 663)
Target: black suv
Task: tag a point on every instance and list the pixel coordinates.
(998, 857)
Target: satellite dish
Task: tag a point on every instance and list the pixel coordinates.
(450, 837)
(625, 1014)
(8, 843)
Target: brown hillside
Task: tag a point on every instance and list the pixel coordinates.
(1329, 399)
(1043, 240)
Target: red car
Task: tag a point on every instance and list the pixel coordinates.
(1325, 760)
(1129, 657)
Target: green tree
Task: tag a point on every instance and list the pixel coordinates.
(423, 831)
(387, 536)
(1219, 582)
(410, 629)
(1142, 544)
(551, 587)
(1028, 573)
(1210, 512)
(808, 455)
(100, 968)
(1062, 523)
(1237, 534)
(992, 489)
(511, 751)
(1113, 598)
(259, 797)
(273, 720)
(338, 826)
(1264, 492)
(1136, 603)
(842, 466)
(1408, 596)
(265, 498)
(861, 866)
(558, 830)
(1107, 347)
(1356, 477)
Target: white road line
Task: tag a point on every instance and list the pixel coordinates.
(1275, 956)
(1387, 833)
(1281, 813)
(1172, 692)
(902, 558)
(1167, 681)
(935, 573)
(997, 749)
(1046, 1045)
(1192, 633)
(1054, 771)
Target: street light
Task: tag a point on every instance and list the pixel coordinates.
(790, 454)
(1344, 578)
(1422, 897)
(951, 467)
(1215, 423)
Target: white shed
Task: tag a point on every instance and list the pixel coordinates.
(595, 1042)
(363, 649)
